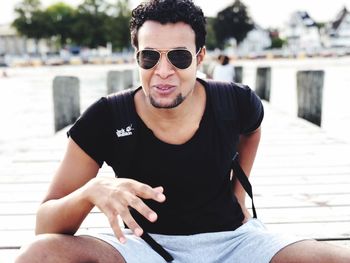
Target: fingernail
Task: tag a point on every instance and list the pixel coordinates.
(138, 232)
(122, 240)
(160, 197)
(152, 216)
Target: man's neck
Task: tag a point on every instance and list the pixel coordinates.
(174, 125)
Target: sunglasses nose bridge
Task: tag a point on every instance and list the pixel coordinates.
(163, 57)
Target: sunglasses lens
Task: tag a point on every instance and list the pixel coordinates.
(181, 59)
(147, 59)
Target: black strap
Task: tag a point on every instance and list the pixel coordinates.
(243, 179)
(156, 247)
(123, 117)
(224, 101)
(122, 107)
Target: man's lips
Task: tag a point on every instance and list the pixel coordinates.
(164, 88)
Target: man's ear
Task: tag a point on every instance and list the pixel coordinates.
(201, 55)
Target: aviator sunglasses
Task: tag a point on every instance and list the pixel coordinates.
(179, 58)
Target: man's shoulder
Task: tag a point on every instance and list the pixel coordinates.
(125, 94)
(218, 86)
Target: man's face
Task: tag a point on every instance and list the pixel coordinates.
(165, 85)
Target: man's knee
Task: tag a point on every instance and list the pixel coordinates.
(39, 250)
(312, 251)
(66, 248)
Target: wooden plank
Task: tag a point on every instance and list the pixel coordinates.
(266, 200)
(300, 189)
(8, 255)
(30, 207)
(27, 221)
(14, 239)
(312, 229)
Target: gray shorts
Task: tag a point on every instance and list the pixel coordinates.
(250, 243)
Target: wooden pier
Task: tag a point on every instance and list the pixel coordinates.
(301, 184)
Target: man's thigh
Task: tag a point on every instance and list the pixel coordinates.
(52, 248)
(310, 251)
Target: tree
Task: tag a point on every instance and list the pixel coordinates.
(61, 18)
(91, 23)
(94, 7)
(233, 22)
(211, 41)
(31, 21)
(118, 26)
(98, 23)
(276, 41)
(94, 23)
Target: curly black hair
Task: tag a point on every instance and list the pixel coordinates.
(169, 11)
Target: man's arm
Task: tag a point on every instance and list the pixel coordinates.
(247, 148)
(75, 190)
(64, 206)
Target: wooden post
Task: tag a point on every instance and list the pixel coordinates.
(66, 101)
(119, 79)
(137, 81)
(263, 83)
(310, 92)
(238, 74)
(128, 78)
(114, 81)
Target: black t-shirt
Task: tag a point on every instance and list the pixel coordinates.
(195, 175)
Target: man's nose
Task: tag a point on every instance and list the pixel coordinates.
(164, 68)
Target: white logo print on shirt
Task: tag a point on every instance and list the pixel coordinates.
(125, 132)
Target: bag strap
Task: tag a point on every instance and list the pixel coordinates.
(124, 123)
(122, 106)
(124, 120)
(243, 179)
(223, 100)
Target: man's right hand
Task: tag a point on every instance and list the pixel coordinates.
(114, 197)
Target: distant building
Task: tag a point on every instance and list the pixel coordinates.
(256, 41)
(11, 43)
(301, 33)
(337, 32)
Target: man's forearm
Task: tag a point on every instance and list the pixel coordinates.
(64, 215)
(247, 148)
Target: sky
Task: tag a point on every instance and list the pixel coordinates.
(266, 13)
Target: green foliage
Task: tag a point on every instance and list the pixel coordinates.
(118, 27)
(93, 23)
(277, 42)
(61, 18)
(320, 25)
(233, 22)
(31, 21)
(211, 42)
(93, 7)
(98, 22)
(90, 29)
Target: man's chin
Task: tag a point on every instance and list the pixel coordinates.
(167, 105)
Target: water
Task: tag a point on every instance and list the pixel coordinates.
(26, 104)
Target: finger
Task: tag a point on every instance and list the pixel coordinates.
(114, 223)
(147, 192)
(136, 203)
(131, 223)
(159, 189)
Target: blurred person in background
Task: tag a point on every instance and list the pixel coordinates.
(224, 70)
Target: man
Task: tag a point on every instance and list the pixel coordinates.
(177, 187)
(224, 71)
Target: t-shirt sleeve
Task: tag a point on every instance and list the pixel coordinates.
(93, 131)
(251, 110)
